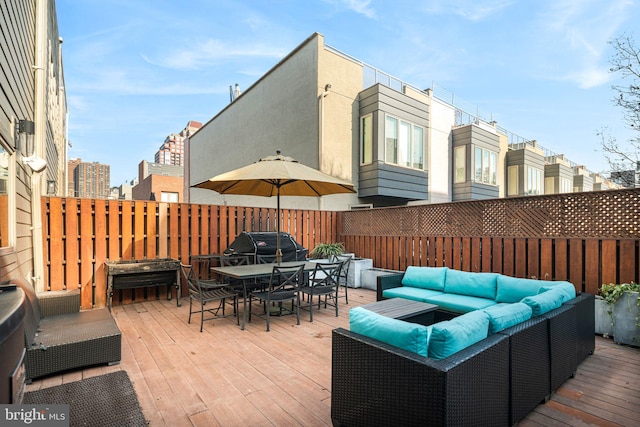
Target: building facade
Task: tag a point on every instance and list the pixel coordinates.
(90, 180)
(162, 183)
(396, 143)
(172, 151)
(32, 128)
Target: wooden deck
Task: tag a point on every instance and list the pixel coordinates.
(228, 377)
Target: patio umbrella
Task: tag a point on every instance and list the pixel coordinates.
(277, 176)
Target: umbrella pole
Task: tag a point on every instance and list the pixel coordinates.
(278, 250)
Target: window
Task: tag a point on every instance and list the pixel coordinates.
(566, 185)
(417, 156)
(512, 185)
(366, 140)
(404, 143)
(166, 196)
(534, 181)
(485, 166)
(460, 161)
(391, 140)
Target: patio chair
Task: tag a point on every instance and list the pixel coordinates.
(208, 291)
(323, 282)
(344, 274)
(284, 284)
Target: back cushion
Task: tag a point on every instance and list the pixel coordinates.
(451, 336)
(425, 277)
(545, 302)
(503, 316)
(513, 289)
(408, 336)
(568, 290)
(481, 285)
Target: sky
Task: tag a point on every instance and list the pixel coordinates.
(138, 71)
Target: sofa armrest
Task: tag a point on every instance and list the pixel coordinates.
(585, 311)
(54, 303)
(373, 383)
(387, 282)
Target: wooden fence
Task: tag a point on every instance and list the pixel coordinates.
(585, 238)
(81, 234)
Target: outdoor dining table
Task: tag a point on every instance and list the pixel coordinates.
(245, 273)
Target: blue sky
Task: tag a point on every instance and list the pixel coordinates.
(137, 71)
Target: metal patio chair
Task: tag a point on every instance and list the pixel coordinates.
(208, 291)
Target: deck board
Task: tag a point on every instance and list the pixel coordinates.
(227, 377)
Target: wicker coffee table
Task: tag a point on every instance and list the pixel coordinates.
(404, 309)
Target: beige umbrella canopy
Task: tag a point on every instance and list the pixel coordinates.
(275, 176)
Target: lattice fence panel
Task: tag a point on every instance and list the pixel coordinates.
(603, 214)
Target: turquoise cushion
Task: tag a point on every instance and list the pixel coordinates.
(408, 336)
(425, 277)
(408, 292)
(459, 303)
(513, 289)
(545, 301)
(503, 316)
(451, 336)
(567, 289)
(481, 285)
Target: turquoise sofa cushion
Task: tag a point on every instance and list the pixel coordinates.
(545, 302)
(503, 316)
(459, 303)
(513, 289)
(451, 336)
(408, 292)
(481, 285)
(567, 289)
(425, 277)
(408, 336)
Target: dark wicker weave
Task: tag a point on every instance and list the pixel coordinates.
(563, 330)
(585, 307)
(66, 338)
(528, 366)
(375, 384)
(105, 400)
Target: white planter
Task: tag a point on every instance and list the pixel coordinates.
(369, 278)
(626, 312)
(604, 319)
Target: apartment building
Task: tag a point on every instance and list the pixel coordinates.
(171, 152)
(396, 143)
(89, 179)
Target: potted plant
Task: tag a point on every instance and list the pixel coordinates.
(623, 309)
(327, 250)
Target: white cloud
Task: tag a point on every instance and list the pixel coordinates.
(361, 7)
(210, 52)
(574, 35)
(588, 78)
(468, 9)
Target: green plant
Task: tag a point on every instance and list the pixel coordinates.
(613, 291)
(327, 250)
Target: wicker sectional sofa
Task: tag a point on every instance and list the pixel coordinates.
(60, 337)
(387, 378)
